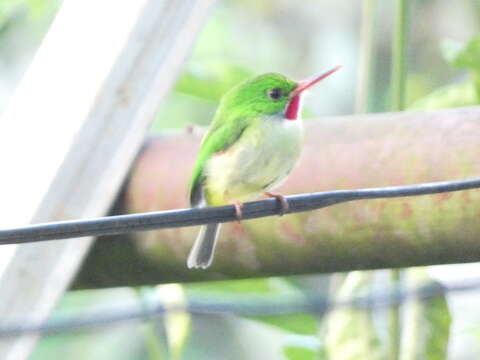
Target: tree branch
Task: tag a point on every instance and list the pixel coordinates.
(125, 224)
(350, 152)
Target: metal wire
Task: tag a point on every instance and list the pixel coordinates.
(250, 306)
(188, 217)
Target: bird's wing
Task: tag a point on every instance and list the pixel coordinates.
(220, 137)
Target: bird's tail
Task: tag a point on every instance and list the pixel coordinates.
(201, 255)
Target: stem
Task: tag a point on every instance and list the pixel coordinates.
(398, 70)
(398, 81)
(155, 338)
(394, 320)
(413, 309)
(365, 58)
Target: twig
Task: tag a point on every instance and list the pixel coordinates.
(189, 217)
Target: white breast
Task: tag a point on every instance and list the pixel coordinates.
(263, 156)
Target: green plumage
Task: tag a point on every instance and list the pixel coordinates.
(221, 135)
(238, 110)
(252, 145)
(248, 148)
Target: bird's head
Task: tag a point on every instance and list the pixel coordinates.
(269, 94)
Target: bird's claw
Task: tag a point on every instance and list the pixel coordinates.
(238, 210)
(282, 200)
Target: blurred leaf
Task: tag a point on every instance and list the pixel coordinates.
(350, 334)
(39, 7)
(298, 353)
(8, 8)
(177, 323)
(181, 110)
(302, 348)
(427, 322)
(197, 93)
(463, 55)
(248, 286)
(451, 49)
(302, 323)
(165, 336)
(465, 93)
(155, 348)
(211, 80)
(458, 95)
(35, 9)
(123, 341)
(153, 330)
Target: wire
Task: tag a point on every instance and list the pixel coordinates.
(250, 306)
(122, 224)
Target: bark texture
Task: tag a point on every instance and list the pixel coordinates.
(339, 153)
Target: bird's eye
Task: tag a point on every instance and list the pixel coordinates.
(275, 93)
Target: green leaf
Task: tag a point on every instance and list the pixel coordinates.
(248, 286)
(299, 353)
(197, 94)
(302, 348)
(272, 288)
(304, 324)
(463, 55)
(427, 322)
(465, 93)
(8, 8)
(35, 9)
(210, 81)
(122, 342)
(181, 110)
(458, 95)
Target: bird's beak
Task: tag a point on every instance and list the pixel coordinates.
(308, 83)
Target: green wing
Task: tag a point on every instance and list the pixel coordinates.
(220, 137)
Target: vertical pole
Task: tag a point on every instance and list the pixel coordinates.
(366, 56)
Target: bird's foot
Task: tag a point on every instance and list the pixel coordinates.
(238, 210)
(281, 199)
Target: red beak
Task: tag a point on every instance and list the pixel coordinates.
(305, 84)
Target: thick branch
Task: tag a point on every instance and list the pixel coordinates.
(340, 153)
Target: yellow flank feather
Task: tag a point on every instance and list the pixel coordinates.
(260, 160)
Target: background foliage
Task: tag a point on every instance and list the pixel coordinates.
(243, 38)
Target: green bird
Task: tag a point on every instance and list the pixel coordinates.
(253, 143)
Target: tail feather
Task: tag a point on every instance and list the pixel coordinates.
(201, 255)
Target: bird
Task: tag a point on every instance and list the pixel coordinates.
(252, 144)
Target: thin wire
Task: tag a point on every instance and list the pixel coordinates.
(251, 306)
(122, 224)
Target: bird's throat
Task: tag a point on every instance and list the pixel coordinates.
(293, 108)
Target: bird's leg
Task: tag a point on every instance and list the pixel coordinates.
(282, 201)
(238, 209)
